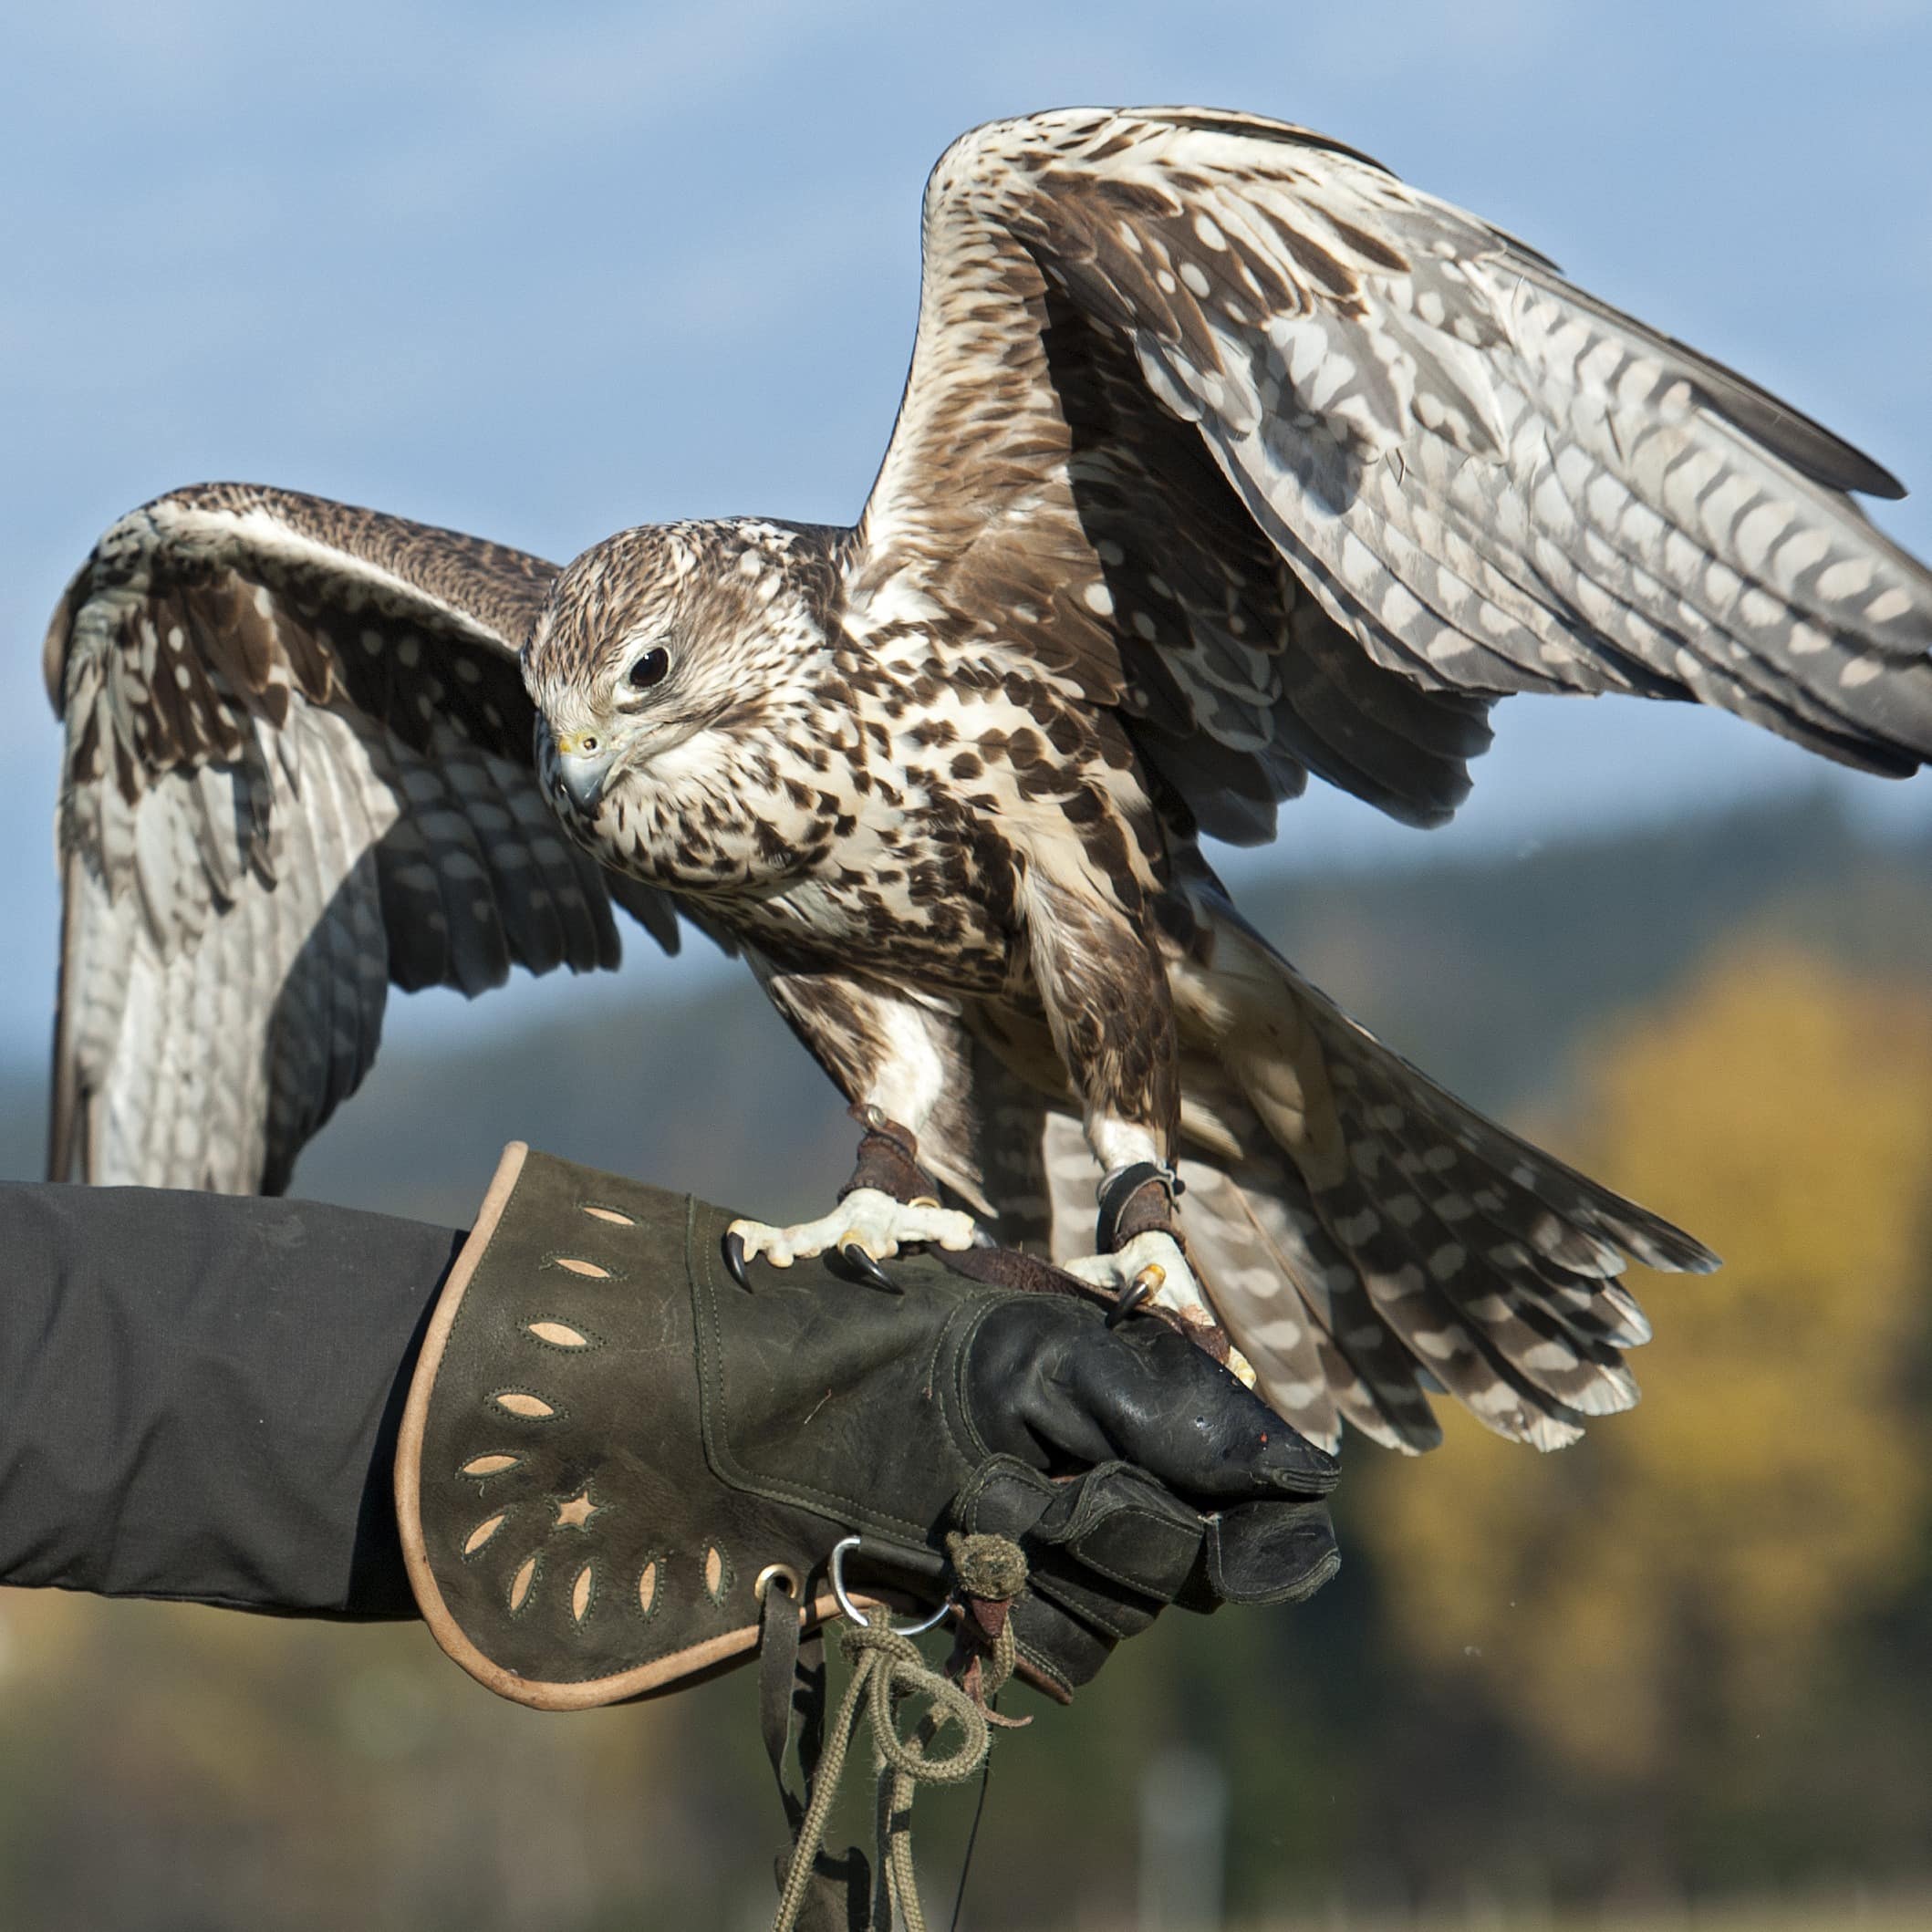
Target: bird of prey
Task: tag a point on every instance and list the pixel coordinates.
(1225, 458)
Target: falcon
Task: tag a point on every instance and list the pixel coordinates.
(1225, 459)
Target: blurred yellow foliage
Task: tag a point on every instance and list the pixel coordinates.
(1694, 1556)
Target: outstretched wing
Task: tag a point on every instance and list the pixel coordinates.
(1300, 467)
(298, 766)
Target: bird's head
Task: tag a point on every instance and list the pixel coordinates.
(655, 642)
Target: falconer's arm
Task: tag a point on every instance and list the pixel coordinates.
(569, 1439)
(199, 1395)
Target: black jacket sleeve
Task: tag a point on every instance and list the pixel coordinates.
(199, 1395)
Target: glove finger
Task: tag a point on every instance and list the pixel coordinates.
(1049, 1383)
(1115, 1525)
(1139, 1545)
(1061, 1648)
(1267, 1552)
(1167, 1406)
(1126, 1530)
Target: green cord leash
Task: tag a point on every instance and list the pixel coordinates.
(888, 1670)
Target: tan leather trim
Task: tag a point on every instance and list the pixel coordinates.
(415, 1419)
(538, 1694)
(663, 1674)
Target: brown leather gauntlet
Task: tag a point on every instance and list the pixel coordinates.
(612, 1447)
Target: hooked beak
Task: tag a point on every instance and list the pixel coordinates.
(583, 763)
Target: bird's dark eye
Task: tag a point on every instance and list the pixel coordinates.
(649, 668)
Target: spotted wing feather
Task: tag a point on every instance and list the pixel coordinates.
(298, 768)
(1301, 467)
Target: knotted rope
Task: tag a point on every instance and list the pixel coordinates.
(886, 1669)
(991, 1572)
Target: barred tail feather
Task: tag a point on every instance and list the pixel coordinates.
(1363, 1219)
(1314, 1292)
(1253, 1281)
(1367, 1239)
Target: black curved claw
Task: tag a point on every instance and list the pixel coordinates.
(867, 1269)
(1137, 1291)
(733, 1246)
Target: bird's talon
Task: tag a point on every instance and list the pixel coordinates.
(733, 1245)
(867, 1268)
(1150, 1272)
(1131, 1297)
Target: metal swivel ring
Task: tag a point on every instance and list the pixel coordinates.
(851, 1610)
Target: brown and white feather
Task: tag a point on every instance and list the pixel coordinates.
(298, 768)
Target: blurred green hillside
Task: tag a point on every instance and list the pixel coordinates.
(1678, 1674)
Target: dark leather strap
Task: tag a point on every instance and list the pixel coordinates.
(888, 1160)
(1135, 1199)
(792, 1700)
(1010, 1268)
(780, 1670)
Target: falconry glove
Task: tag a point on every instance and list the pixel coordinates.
(612, 1450)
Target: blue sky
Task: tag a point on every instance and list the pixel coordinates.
(543, 272)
